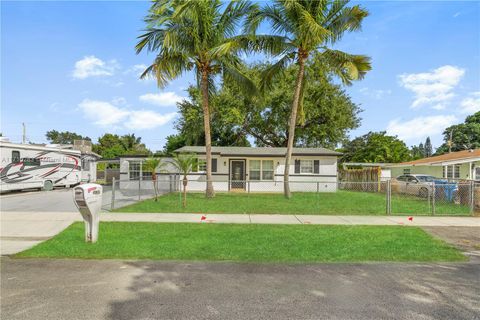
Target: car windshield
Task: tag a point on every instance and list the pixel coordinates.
(425, 178)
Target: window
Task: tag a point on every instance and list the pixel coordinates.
(134, 168)
(406, 171)
(402, 178)
(261, 170)
(15, 156)
(449, 171)
(456, 171)
(85, 164)
(202, 165)
(306, 166)
(255, 169)
(267, 169)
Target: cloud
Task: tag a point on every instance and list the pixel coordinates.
(420, 127)
(457, 14)
(146, 119)
(103, 113)
(91, 66)
(471, 104)
(109, 114)
(375, 94)
(432, 87)
(163, 99)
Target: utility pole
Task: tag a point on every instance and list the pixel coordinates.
(24, 135)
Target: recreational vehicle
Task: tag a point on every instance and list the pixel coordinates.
(29, 166)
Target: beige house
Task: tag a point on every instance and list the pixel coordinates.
(455, 165)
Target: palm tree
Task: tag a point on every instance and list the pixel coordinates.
(153, 165)
(301, 28)
(184, 164)
(196, 35)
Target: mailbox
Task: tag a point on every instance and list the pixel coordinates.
(88, 199)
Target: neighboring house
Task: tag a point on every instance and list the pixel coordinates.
(455, 165)
(261, 169)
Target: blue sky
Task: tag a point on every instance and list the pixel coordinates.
(72, 66)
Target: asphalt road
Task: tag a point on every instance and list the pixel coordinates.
(59, 200)
(76, 289)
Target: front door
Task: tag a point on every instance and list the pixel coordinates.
(237, 174)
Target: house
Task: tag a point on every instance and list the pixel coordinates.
(261, 169)
(455, 165)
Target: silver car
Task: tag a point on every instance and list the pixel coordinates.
(416, 184)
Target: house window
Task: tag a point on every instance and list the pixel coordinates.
(134, 167)
(267, 169)
(306, 166)
(449, 171)
(202, 165)
(15, 156)
(406, 171)
(456, 171)
(255, 169)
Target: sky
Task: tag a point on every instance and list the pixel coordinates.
(71, 65)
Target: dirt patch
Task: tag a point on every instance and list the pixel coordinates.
(464, 238)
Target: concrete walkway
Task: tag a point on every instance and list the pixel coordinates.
(23, 230)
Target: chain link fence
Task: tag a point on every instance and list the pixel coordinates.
(461, 198)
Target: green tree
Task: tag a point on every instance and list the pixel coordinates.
(428, 148)
(464, 135)
(184, 163)
(112, 145)
(196, 35)
(376, 147)
(64, 137)
(301, 28)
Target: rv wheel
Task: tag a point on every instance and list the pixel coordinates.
(48, 185)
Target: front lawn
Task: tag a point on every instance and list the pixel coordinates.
(252, 243)
(328, 203)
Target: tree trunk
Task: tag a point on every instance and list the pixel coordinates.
(185, 182)
(154, 180)
(302, 56)
(210, 193)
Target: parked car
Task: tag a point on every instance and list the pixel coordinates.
(416, 184)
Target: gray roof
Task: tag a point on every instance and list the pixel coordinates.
(259, 151)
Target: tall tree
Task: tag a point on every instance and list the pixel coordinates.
(464, 136)
(112, 145)
(199, 35)
(375, 147)
(428, 148)
(64, 137)
(301, 28)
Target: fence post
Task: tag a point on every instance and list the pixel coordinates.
(112, 203)
(472, 197)
(318, 186)
(139, 189)
(248, 182)
(434, 195)
(388, 194)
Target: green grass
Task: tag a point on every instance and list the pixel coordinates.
(252, 243)
(331, 203)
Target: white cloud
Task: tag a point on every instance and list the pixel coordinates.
(457, 14)
(432, 87)
(420, 127)
(91, 66)
(375, 94)
(136, 69)
(163, 99)
(471, 104)
(109, 114)
(146, 119)
(103, 113)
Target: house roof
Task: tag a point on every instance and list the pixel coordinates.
(459, 156)
(259, 151)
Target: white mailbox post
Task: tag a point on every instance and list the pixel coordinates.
(88, 199)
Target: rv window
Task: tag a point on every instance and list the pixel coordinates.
(85, 164)
(15, 156)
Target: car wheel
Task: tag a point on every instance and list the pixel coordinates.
(48, 185)
(423, 192)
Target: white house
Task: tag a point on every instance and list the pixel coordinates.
(256, 169)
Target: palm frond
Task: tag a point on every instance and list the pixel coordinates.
(348, 67)
(274, 70)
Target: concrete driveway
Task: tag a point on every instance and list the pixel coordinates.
(96, 289)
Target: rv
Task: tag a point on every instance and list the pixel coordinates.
(29, 166)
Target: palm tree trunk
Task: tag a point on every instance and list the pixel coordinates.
(302, 56)
(210, 193)
(185, 182)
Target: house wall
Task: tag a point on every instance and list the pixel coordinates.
(436, 171)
